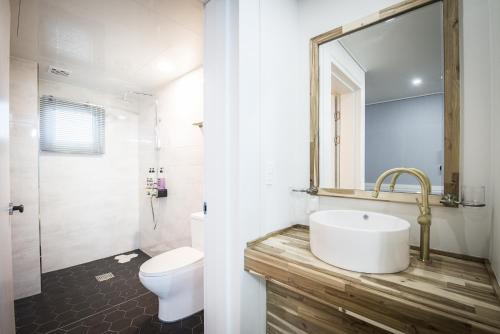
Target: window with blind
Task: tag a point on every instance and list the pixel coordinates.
(70, 127)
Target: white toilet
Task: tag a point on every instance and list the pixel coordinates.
(176, 276)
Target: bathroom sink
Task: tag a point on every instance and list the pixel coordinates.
(361, 241)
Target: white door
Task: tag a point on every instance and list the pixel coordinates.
(6, 290)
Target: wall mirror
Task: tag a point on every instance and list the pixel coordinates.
(385, 93)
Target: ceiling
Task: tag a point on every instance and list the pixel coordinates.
(110, 45)
(397, 51)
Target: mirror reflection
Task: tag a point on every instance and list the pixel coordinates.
(381, 103)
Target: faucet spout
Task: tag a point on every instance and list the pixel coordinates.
(424, 219)
(395, 177)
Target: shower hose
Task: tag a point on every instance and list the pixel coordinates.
(153, 212)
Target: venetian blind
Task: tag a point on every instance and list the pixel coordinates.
(71, 127)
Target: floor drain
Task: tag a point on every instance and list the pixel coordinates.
(104, 277)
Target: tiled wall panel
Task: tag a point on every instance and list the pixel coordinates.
(89, 203)
(24, 176)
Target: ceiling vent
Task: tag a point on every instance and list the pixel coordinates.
(59, 71)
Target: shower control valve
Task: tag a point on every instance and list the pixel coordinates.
(153, 192)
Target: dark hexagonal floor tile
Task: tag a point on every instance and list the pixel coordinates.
(130, 330)
(128, 305)
(48, 326)
(98, 328)
(198, 329)
(28, 329)
(81, 306)
(78, 330)
(141, 320)
(115, 315)
(121, 324)
(150, 328)
(170, 326)
(73, 302)
(191, 322)
(65, 316)
(132, 313)
(182, 331)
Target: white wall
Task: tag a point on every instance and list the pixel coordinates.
(257, 141)
(281, 129)
(180, 103)
(495, 134)
(7, 325)
(253, 140)
(269, 134)
(24, 176)
(89, 203)
(457, 230)
(222, 295)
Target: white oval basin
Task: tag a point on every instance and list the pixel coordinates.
(361, 241)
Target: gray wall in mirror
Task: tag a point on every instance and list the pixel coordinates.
(406, 133)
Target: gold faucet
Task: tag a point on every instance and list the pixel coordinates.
(425, 211)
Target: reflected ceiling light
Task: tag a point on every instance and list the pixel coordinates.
(389, 20)
(416, 82)
(164, 66)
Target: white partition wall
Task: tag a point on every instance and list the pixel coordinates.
(24, 176)
(253, 141)
(494, 20)
(7, 324)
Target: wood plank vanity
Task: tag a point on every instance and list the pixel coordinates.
(452, 294)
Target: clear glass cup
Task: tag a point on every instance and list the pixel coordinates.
(474, 196)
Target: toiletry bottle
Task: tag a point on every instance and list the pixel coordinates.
(150, 178)
(153, 178)
(161, 179)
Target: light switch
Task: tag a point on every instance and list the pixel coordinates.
(269, 174)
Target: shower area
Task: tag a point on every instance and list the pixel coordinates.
(170, 149)
(149, 174)
(104, 154)
(136, 191)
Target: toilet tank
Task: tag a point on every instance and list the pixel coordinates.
(197, 230)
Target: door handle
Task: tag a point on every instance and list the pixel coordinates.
(13, 208)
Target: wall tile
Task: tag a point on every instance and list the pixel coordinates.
(89, 203)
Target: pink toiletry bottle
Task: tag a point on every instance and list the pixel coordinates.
(161, 179)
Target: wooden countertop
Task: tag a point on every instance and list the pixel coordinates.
(453, 294)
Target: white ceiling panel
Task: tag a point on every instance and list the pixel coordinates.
(181, 11)
(116, 45)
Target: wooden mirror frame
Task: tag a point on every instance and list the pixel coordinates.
(451, 100)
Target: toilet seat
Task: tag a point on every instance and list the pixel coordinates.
(170, 262)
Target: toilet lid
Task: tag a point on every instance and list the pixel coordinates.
(170, 261)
